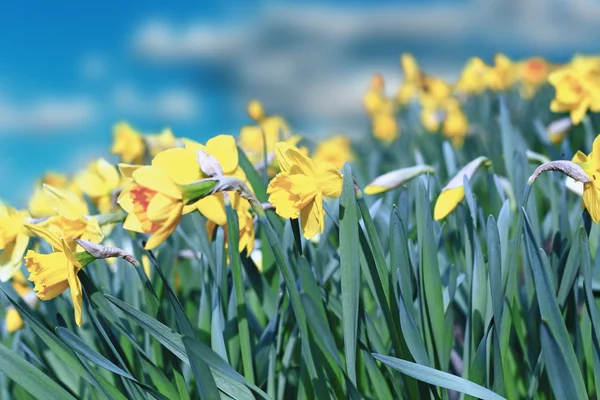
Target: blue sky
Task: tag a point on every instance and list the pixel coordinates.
(70, 69)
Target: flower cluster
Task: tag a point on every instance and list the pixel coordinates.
(158, 179)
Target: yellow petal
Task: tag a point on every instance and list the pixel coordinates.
(165, 229)
(329, 181)
(447, 202)
(282, 197)
(156, 179)
(224, 149)
(213, 208)
(580, 157)
(127, 170)
(289, 157)
(11, 257)
(160, 208)
(180, 165)
(311, 218)
(578, 113)
(48, 272)
(66, 203)
(591, 200)
(46, 233)
(132, 223)
(13, 320)
(374, 189)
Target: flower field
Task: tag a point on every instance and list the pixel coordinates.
(449, 252)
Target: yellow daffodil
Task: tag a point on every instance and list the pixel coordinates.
(503, 74)
(437, 89)
(456, 124)
(591, 190)
(385, 127)
(14, 239)
(454, 192)
(431, 115)
(224, 150)
(298, 190)
(412, 85)
(39, 205)
(13, 319)
(532, 72)
(256, 110)
(53, 273)
(73, 216)
(163, 141)
(98, 181)
(254, 139)
(473, 79)
(336, 151)
(577, 88)
(128, 144)
(374, 99)
(153, 200)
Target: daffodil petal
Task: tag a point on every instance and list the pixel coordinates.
(166, 228)
(224, 149)
(329, 181)
(180, 165)
(447, 202)
(311, 217)
(156, 179)
(213, 208)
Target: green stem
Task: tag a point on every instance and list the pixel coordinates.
(111, 218)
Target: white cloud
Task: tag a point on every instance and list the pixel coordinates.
(46, 115)
(313, 62)
(173, 104)
(94, 66)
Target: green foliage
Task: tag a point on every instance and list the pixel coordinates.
(495, 301)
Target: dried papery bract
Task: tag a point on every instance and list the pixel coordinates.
(100, 251)
(395, 178)
(209, 164)
(567, 168)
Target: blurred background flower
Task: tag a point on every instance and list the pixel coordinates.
(71, 70)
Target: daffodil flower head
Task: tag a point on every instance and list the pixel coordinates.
(153, 200)
(256, 110)
(255, 139)
(39, 206)
(456, 124)
(163, 141)
(385, 124)
(577, 88)
(591, 189)
(53, 273)
(13, 320)
(13, 240)
(298, 190)
(128, 143)
(72, 216)
(532, 73)
(225, 162)
(98, 181)
(503, 74)
(473, 79)
(454, 192)
(336, 151)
